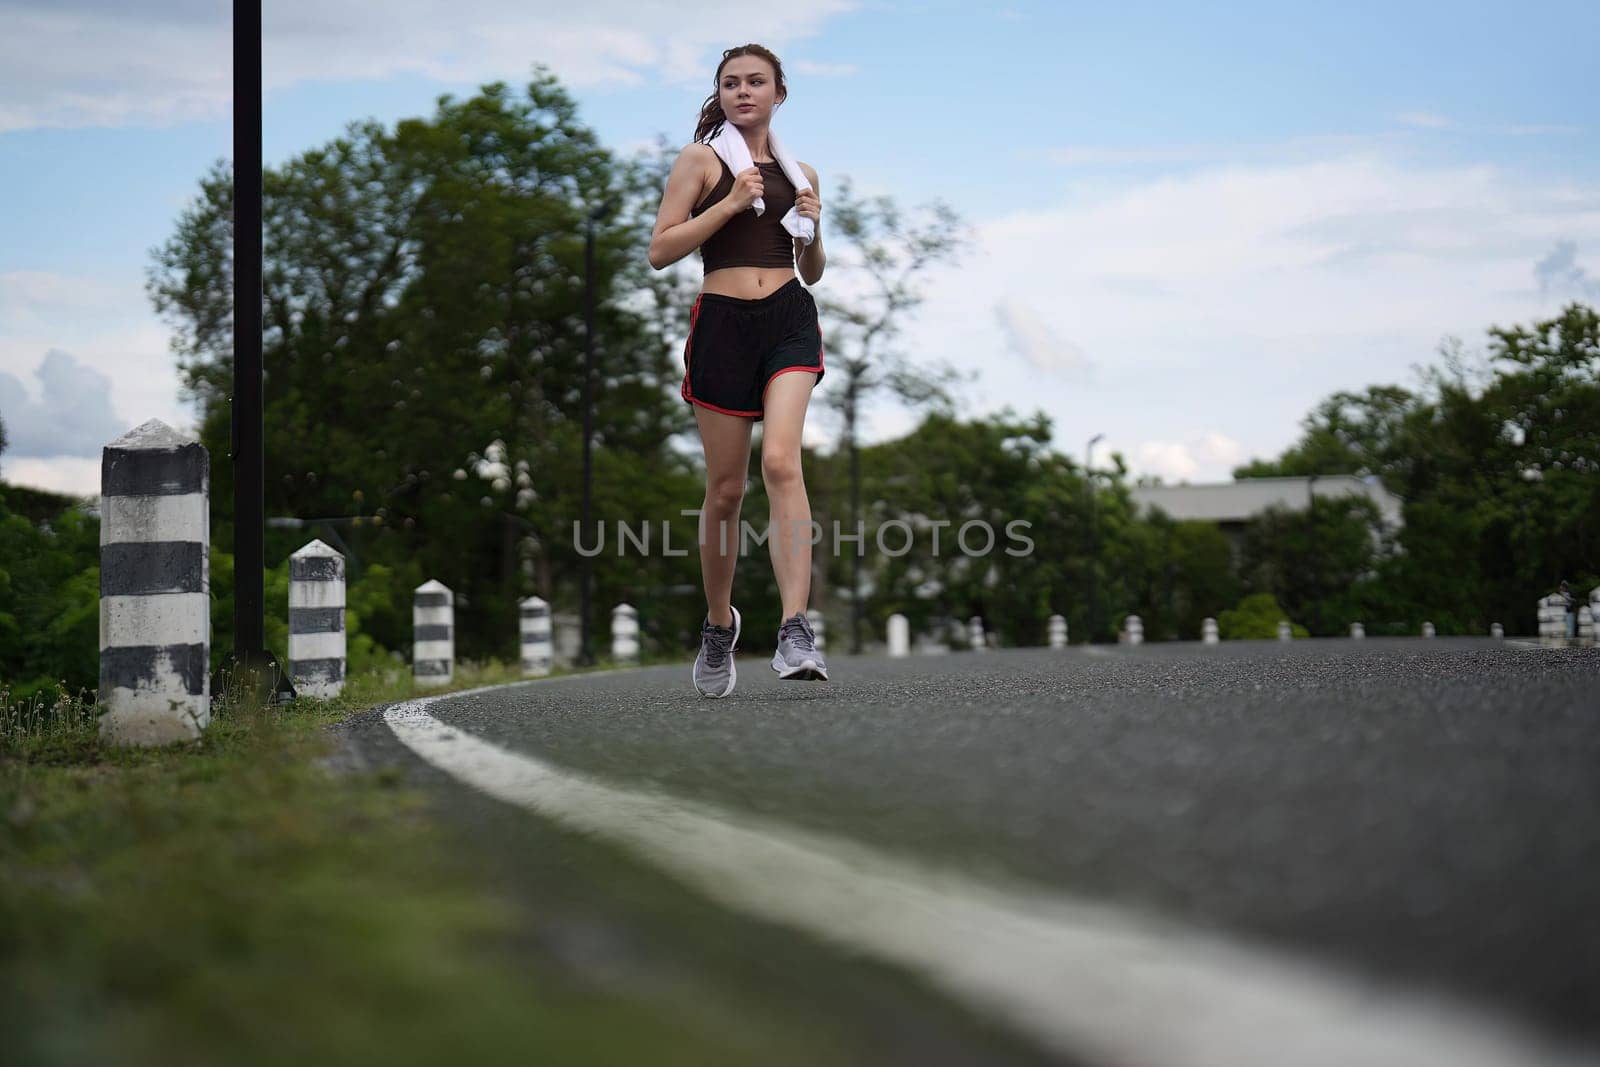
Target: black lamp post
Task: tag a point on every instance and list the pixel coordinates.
(595, 216)
(248, 452)
(1094, 534)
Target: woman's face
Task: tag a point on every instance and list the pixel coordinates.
(747, 91)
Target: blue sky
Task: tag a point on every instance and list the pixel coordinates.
(1192, 223)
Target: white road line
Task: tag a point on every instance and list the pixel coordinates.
(1086, 979)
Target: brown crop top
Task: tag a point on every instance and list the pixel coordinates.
(748, 239)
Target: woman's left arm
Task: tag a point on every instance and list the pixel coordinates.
(810, 258)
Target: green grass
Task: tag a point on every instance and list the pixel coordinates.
(232, 901)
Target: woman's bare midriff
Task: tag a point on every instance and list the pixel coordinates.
(747, 283)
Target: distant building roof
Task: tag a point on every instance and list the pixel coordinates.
(1242, 500)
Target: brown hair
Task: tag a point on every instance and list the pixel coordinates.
(711, 115)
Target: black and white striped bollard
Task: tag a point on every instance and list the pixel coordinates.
(625, 634)
(899, 635)
(1552, 615)
(155, 582)
(534, 629)
(316, 621)
(433, 626)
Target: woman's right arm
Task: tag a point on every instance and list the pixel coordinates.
(676, 234)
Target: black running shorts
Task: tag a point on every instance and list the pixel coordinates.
(736, 347)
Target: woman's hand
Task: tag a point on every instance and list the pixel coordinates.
(809, 205)
(747, 187)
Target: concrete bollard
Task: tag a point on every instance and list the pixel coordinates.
(1358, 631)
(899, 635)
(625, 634)
(1058, 631)
(534, 629)
(1552, 620)
(1585, 626)
(1497, 631)
(819, 629)
(1285, 632)
(433, 625)
(155, 587)
(1428, 630)
(317, 641)
(1208, 631)
(1135, 630)
(975, 634)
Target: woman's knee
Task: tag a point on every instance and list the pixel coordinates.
(780, 470)
(724, 495)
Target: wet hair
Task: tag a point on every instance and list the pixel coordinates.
(711, 114)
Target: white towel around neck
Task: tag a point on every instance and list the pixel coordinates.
(730, 146)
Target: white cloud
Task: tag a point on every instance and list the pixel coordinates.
(1039, 344)
(1182, 461)
(1229, 300)
(1214, 448)
(96, 63)
(72, 475)
(106, 367)
(1169, 459)
(71, 415)
(1560, 276)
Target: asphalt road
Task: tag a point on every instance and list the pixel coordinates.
(1423, 811)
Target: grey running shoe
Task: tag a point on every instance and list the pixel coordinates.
(714, 674)
(797, 658)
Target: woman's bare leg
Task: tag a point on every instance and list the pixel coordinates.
(789, 533)
(726, 439)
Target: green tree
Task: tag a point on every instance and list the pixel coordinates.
(1348, 433)
(1174, 575)
(1316, 562)
(1496, 465)
(998, 472)
(49, 595)
(1255, 618)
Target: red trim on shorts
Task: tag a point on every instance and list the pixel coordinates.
(820, 344)
(694, 316)
(785, 370)
(725, 411)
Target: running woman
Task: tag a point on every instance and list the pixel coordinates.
(754, 354)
